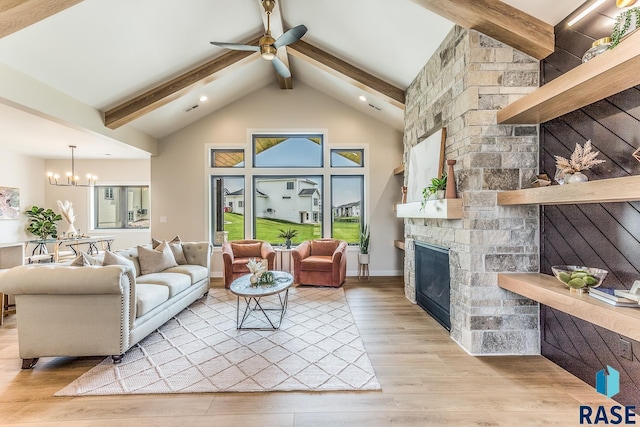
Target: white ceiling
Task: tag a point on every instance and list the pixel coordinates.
(103, 52)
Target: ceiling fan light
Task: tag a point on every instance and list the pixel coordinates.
(268, 52)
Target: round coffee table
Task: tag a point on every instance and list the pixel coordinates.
(252, 294)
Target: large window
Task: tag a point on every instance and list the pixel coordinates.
(287, 202)
(228, 204)
(347, 195)
(121, 207)
(293, 181)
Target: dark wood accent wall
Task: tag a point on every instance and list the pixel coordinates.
(603, 235)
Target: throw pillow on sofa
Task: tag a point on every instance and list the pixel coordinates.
(112, 258)
(156, 260)
(176, 248)
(82, 260)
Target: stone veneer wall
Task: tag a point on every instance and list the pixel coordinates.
(467, 80)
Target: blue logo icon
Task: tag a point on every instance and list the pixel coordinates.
(609, 385)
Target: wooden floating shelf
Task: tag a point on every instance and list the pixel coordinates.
(399, 170)
(549, 291)
(623, 189)
(399, 244)
(603, 76)
(442, 208)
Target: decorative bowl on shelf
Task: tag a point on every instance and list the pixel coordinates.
(579, 277)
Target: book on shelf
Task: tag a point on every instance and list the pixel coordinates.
(608, 293)
(625, 303)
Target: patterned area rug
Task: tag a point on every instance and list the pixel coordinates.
(318, 348)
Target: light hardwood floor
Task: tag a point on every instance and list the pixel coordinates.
(426, 378)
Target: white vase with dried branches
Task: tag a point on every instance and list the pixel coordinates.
(583, 158)
(66, 210)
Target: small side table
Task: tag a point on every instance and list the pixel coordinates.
(280, 257)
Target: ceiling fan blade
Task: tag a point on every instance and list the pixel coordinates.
(234, 46)
(291, 36)
(280, 67)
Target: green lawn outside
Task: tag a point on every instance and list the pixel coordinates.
(268, 229)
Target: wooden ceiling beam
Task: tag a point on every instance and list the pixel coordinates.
(18, 14)
(347, 72)
(277, 29)
(498, 20)
(176, 87)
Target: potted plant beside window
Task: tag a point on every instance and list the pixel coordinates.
(288, 234)
(42, 222)
(363, 256)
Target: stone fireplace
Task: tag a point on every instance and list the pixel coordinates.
(461, 88)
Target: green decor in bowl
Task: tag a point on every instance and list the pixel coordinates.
(579, 277)
(267, 279)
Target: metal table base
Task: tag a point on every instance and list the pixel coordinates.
(258, 308)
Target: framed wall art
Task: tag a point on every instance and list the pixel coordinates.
(426, 161)
(9, 203)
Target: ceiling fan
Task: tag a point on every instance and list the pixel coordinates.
(267, 46)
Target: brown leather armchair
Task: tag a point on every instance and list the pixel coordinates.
(320, 262)
(236, 255)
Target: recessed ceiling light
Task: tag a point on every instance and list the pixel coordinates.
(203, 98)
(362, 98)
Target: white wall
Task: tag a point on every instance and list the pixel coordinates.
(178, 173)
(26, 174)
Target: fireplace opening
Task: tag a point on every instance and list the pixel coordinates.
(433, 281)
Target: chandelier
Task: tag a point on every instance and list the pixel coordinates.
(72, 178)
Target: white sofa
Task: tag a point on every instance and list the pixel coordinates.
(100, 310)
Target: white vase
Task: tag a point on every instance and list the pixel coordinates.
(363, 258)
(71, 231)
(575, 177)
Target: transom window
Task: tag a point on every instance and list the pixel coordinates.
(294, 151)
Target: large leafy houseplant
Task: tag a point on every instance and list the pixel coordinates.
(42, 222)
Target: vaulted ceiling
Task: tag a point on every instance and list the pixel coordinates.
(145, 64)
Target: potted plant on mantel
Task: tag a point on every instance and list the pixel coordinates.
(363, 256)
(437, 188)
(288, 234)
(42, 222)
